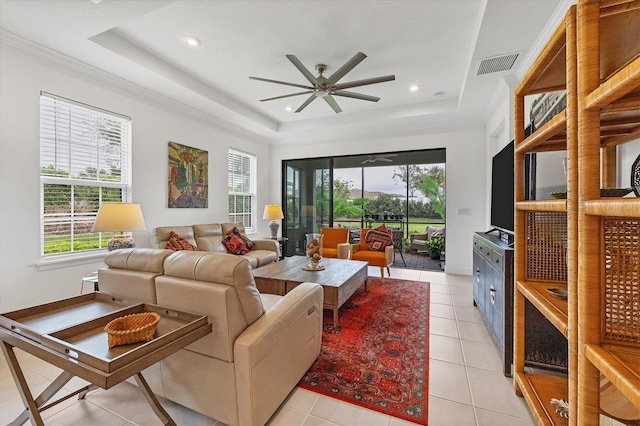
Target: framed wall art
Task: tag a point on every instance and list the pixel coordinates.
(188, 177)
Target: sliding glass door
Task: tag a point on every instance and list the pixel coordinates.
(403, 190)
(308, 199)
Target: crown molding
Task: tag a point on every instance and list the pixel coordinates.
(387, 130)
(125, 87)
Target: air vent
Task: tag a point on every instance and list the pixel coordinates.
(497, 63)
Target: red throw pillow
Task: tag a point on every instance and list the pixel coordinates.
(235, 244)
(246, 239)
(176, 242)
(377, 239)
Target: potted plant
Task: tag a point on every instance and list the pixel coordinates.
(435, 246)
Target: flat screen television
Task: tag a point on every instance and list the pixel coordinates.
(502, 201)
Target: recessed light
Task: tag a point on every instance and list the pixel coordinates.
(413, 88)
(192, 40)
(288, 108)
(438, 94)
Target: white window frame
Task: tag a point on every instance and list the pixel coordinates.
(73, 138)
(242, 182)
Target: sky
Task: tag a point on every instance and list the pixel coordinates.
(376, 178)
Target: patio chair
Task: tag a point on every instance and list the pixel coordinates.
(397, 244)
(419, 241)
(382, 259)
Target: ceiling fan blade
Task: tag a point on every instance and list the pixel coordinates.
(296, 62)
(364, 82)
(355, 95)
(282, 82)
(307, 102)
(332, 103)
(343, 70)
(286, 96)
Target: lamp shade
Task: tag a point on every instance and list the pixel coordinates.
(272, 212)
(119, 217)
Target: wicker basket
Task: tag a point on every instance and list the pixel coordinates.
(132, 328)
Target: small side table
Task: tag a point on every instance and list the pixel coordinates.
(282, 242)
(91, 277)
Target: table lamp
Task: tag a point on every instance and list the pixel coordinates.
(273, 212)
(121, 218)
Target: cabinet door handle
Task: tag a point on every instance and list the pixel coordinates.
(492, 294)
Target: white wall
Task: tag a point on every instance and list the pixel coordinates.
(627, 154)
(22, 77)
(466, 170)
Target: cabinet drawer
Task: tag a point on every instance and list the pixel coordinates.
(482, 248)
(497, 259)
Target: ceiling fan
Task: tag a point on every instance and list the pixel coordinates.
(326, 88)
(374, 158)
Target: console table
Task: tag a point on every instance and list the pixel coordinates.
(70, 335)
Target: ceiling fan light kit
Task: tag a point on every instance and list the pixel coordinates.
(326, 88)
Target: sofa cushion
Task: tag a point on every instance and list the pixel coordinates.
(131, 273)
(162, 234)
(209, 237)
(218, 268)
(258, 258)
(137, 259)
(176, 242)
(235, 244)
(377, 239)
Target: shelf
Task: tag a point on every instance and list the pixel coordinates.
(618, 86)
(620, 365)
(548, 72)
(538, 389)
(617, 207)
(543, 205)
(619, 123)
(552, 136)
(553, 308)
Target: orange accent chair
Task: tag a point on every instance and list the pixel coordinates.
(383, 259)
(335, 243)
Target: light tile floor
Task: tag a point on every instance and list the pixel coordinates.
(466, 386)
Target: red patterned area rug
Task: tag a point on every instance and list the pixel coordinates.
(378, 356)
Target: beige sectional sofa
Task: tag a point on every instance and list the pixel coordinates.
(208, 237)
(261, 344)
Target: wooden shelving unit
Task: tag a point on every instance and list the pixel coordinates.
(541, 227)
(608, 45)
(585, 244)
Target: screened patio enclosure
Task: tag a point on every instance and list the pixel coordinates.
(358, 191)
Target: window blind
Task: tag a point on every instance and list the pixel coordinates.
(242, 188)
(85, 159)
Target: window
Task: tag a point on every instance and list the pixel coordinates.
(242, 189)
(85, 159)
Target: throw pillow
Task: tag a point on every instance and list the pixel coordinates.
(246, 239)
(176, 242)
(435, 231)
(235, 244)
(377, 239)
